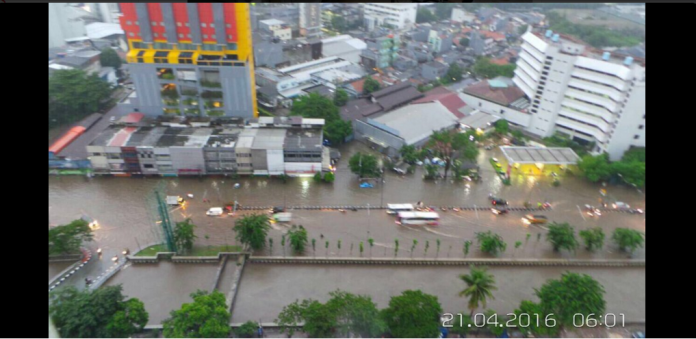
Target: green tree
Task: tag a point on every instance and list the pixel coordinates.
(329, 177)
(364, 165)
(327, 248)
(562, 236)
(522, 29)
(572, 294)
(490, 242)
(396, 247)
(595, 168)
(338, 23)
(314, 246)
(464, 42)
(627, 239)
(413, 247)
(467, 244)
(530, 325)
(413, 314)
(72, 95)
(371, 242)
(632, 172)
(336, 131)
(479, 284)
(247, 330)
(282, 243)
(408, 154)
(317, 177)
(184, 235)
(343, 315)
(495, 323)
(593, 238)
(68, 238)
(425, 15)
(109, 58)
(454, 73)
(315, 106)
(253, 229)
(361, 248)
(443, 10)
(427, 245)
(270, 244)
(205, 317)
(298, 238)
(484, 68)
(370, 85)
(437, 254)
(100, 313)
(502, 127)
(448, 145)
(340, 97)
(461, 324)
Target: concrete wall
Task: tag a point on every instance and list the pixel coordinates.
(364, 131)
(188, 158)
(507, 113)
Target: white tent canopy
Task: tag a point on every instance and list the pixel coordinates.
(540, 155)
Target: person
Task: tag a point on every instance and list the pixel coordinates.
(321, 236)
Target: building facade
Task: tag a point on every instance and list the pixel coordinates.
(191, 59)
(380, 52)
(278, 29)
(310, 20)
(590, 97)
(201, 146)
(397, 15)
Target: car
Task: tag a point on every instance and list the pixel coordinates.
(277, 209)
(498, 201)
(620, 205)
(534, 219)
(495, 160)
(489, 147)
(499, 210)
(399, 170)
(112, 119)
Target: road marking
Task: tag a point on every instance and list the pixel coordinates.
(583, 217)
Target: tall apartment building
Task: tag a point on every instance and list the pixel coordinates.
(310, 20)
(191, 59)
(589, 96)
(399, 15)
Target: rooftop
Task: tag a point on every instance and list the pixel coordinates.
(540, 155)
(396, 95)
(303, 139)
(479, 119)
(448, 99)
(494, 91)
(415, 122)
(272, 22)
(358, 108)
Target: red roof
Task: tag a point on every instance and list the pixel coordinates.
(358, 85)
(501, 61)
(493, 35)
(133, 117)
(66, 139)
(122, 136)
(448, 99)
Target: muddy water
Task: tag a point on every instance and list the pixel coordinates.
(165, 286)
(126, 211)
(279, 285)
(56, 267)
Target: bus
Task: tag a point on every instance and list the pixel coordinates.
(418, 218)
(396, 208)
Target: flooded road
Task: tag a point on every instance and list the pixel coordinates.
(126, 211)
(280, 285)
(56, 267)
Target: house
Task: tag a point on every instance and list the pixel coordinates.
(433, 70)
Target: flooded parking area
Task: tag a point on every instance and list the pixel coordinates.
(265, 289)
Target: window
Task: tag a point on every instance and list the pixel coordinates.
(479, 104)
(635, 136)
(232, 46)
(148, 166)
(178, 24)
(228, 26)
(154, 23)
(229, 36)
(212, 25)
(181, 35)
(203, 25)
(128, 23)
(131, 34)
(155, 34)
(205, 36)
(640, 127)
(186, 24)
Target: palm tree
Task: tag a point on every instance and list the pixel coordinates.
(479, 283)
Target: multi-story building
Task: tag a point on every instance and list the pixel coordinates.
(310, 20)
(289, 13)
(66, 21)
(397, 15)
(460, 15)
(137, 145)
(380, 52)
(590, 97)
(277, 28)
(440, 41)
(191, 59)
(481, 45)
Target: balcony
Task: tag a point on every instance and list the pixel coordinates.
(210, 84)
(214, 113)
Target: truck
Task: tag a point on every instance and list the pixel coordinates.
(174, 200)
(282, 217)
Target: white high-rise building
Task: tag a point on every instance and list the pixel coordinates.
(310, 20)
(399, 15)
(592, 97)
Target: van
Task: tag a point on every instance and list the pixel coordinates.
(214, 211)
(534, 219)
(282, 217)
(620, 205)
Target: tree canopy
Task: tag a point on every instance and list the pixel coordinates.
(184, 235)
(343, 315)
(109, 58)
(425, 15)
(627, 239)
(298, 238)
(364, 165)
(573, 294)
(100, 313)
(527, 326)
(484, 68)
(479, 284)
(340, 97)
(596, 36)
(454, 73)
(562, 236)
(319, 107)
(450, 145)
(593, 238)
(490, 242)
(413, 314)
(252, 230)
(205, 317)
(72, 95)
(370, 85)
(65, 239)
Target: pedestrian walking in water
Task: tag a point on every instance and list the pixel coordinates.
(321, 236)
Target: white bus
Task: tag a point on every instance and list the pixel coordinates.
(418, 218)
(396, 208)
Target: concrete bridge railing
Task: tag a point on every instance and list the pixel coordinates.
(447, 262)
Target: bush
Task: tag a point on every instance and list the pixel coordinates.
(318, 177)
(556, 183)
(329, 177)
(247, 330)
